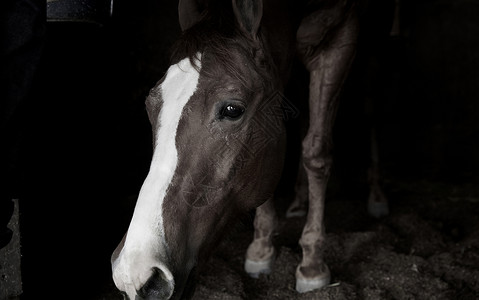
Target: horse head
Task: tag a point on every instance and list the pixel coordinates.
(218, 140)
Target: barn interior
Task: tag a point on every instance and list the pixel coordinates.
(83, 146)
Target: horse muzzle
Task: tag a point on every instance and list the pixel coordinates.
(141, 277)
(159, 284)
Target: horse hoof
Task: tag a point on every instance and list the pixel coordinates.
(256, 268)
(296, 211)
(307, 285)
(378, 209)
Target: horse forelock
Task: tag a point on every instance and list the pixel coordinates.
(218, 36)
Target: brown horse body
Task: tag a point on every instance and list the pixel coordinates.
(219, 139)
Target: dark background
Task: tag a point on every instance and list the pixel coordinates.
(87, 141)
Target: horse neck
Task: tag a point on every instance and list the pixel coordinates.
(279, 25)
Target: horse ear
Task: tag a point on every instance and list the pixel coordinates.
(248, 14)
(190, 12)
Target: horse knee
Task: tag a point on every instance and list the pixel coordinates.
(317, 157)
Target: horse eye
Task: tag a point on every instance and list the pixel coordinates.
(231, 111)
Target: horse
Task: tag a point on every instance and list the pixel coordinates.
(219, 140)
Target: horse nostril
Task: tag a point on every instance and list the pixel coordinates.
(125, 296)
(159, 286)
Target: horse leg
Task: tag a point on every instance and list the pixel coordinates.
(260, 253)
(377, 202)
(328, 66)
(299, 206)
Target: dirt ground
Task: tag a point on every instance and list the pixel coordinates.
(428, 248)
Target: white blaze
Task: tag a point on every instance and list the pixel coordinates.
(145, 241)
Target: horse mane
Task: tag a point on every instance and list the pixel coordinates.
(216, 34)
